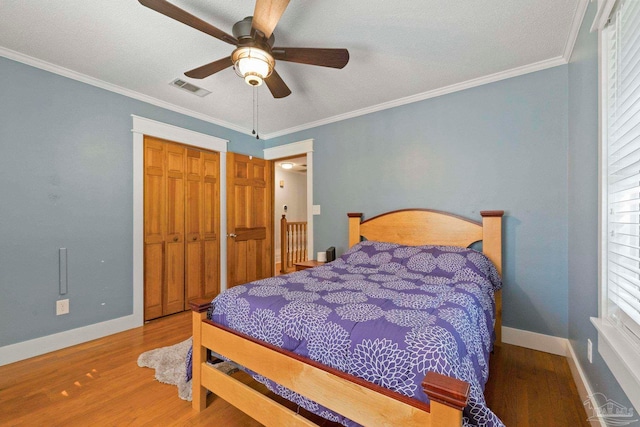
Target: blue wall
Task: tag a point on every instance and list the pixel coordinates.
(66, 180)
(498, 146)
(583, 209)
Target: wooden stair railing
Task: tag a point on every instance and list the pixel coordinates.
(293, 243)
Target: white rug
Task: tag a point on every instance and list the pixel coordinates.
(170, 365)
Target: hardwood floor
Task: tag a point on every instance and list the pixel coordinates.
(100, 384)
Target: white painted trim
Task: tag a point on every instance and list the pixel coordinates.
(296, 149)
(174, 133)
(602, 15)
(535, 341)
(138, 227)
(538, 66)
(223, 220)
(578, 17)
(310, 241)
(74, 75)
(621, 356)
(37, 346)
(288, 150)
(143, 126)
(582, 383)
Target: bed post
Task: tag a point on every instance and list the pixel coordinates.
(199, 308)
(448, 397)
(492, 248)
(354, 227)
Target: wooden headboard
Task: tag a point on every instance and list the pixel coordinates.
(415, 227)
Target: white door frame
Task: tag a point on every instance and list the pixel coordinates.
(297, 149)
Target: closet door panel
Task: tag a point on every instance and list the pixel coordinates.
(154, 184)
(153, 279)
(174, 255)
(154, 227)
(211, 224)
(174, 289)
(193, 227)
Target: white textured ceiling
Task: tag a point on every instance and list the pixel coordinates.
(399, 51)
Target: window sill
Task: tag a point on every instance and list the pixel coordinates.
(621, 356)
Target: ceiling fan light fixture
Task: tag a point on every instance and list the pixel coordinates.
(252, 64)
(286, 165)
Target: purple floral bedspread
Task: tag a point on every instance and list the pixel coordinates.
(383, 312)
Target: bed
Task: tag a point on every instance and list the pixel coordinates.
(392, 257)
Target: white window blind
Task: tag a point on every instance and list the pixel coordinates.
(622, 167)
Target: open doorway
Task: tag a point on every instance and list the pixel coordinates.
(290, 201)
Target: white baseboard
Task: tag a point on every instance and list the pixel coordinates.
(535, 341)
(582, 384)
(37, 346)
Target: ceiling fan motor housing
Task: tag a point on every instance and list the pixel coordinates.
(242, 30)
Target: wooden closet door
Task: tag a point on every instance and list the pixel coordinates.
(211, 224)
(202, 266)
(163, 228)
(193, 226)
(182, 208)
(174, 263)
(154, 227)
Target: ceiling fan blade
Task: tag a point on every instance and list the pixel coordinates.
(174, 12)
(210, 68)
(334, 58)
(277, 86)
(266, 15)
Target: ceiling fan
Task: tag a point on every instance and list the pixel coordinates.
(254, 57)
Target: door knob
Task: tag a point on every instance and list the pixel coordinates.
(232, 235)
(195, 237)
(175, 239)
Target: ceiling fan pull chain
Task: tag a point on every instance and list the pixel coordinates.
(255, 102)
(253, 111)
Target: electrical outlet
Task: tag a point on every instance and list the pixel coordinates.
(590, 351)
(62, 307)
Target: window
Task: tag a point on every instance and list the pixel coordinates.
(619, 321)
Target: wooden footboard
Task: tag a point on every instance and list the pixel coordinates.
(356, 399)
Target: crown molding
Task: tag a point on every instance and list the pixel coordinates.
(503, 75)
(578, 17)
(74, 75)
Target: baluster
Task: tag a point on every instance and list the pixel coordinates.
(283, 244)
